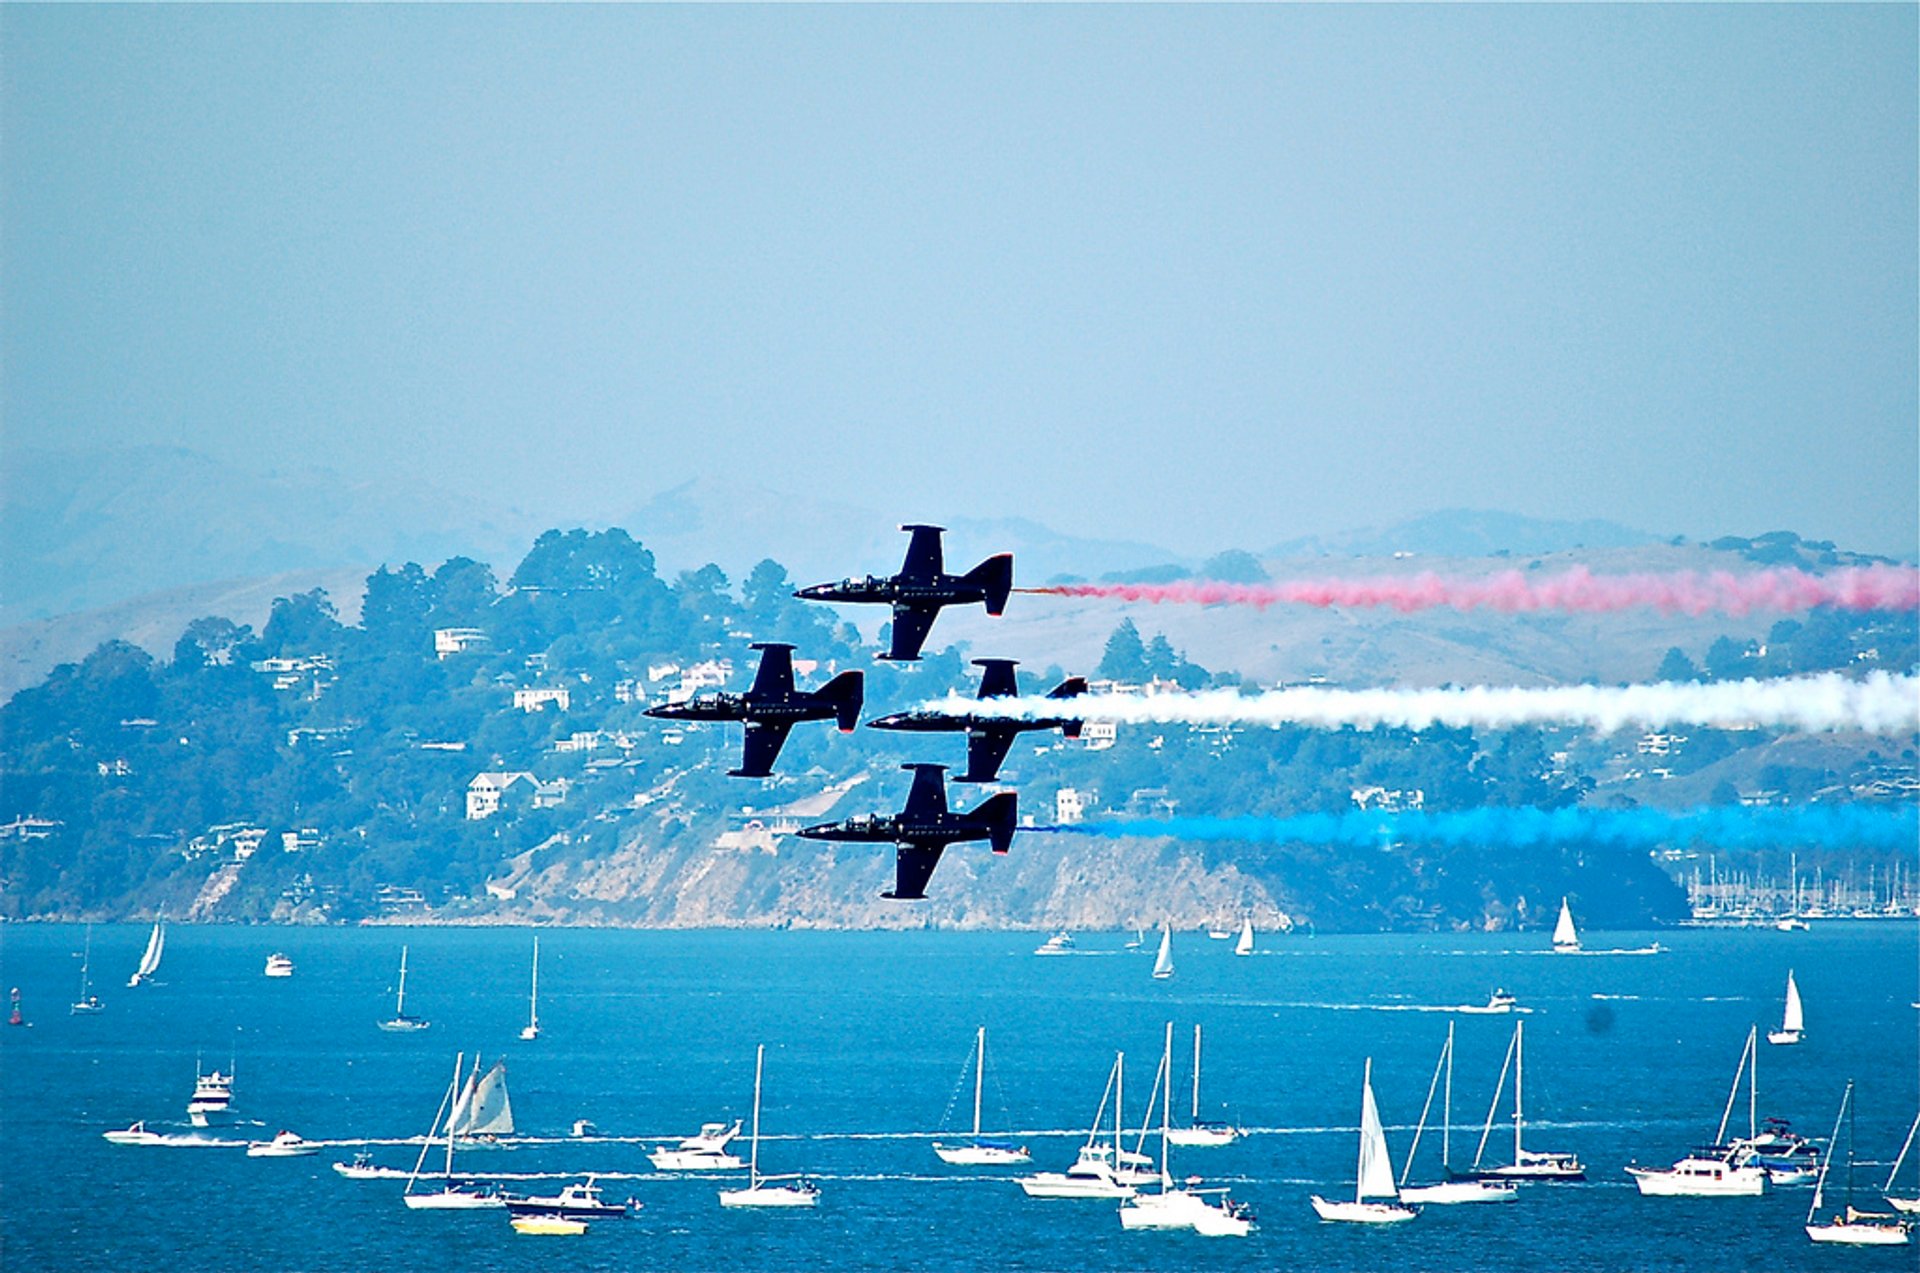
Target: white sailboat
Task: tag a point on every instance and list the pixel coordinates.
(1245, 945)
(1793, 1023)
(1565, 939)
(88, 1001)
(1201, 1133)
(1373, 1178)
(1851, 1227)
(706, 1150)
(1093, 1174)
(1528, 1164)
(1901, 1202)
(451, 1196)
(1717, 1170)
(1187, 1208)
(150, 958)
(1163, 961)
(531, 1030)
(400, 1021)
(977, 1152)
(485, 1112)
(760, 1191)
(1448, 1190)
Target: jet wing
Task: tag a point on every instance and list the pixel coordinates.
(910, 627)
(928, 799)
(924, 560)
(764, 742)
(912, 867)
(986, 748)
(774, 679)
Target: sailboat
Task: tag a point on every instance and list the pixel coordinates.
(88, 1001)
(1187, 1208)
(977, 1152)
(1374, 1176)
(1851, 1227)
(485, 1113)
(1716, 1170)
(1449, 1189)
(1793, 1024)
(1565, 939)
(760, 1191)
(150, 957)
(1528, 1164)
(1093, 1174)
(1163, 961)
(1900, 1202)
(1245, 945)
(451, 1195)
(531, 1030)
(400, 1020)
(1199, 1132)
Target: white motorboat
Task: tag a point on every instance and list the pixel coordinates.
(212, 1098)
(1851, 1227)
(278, 965)
(1199, 1132)
(400, 1022)
(704, 1151)
(1094, 1173)
(762, 1191)
(1163, 960)
(1185, 1208)
(453, 1194)
(1901, 1202)
(1498, 1003)
(1527, 1164)
(979, 1151)
(1061, 943)
(1565, 939)
(88, 1002)
(1373, 1178)
(285, 1144)
(531, 1030)
(150, 957)
(1244, 946)
(1449, 1190)
(134, 1135)
(1793, 1024)
(1717, 1170)
(362, 1168)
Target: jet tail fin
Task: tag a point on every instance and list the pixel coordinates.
(994, 576)
(999, 813)
(846, 692)
(1072, 687)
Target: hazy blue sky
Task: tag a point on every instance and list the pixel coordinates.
(1205, 276)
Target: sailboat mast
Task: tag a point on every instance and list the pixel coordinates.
(533, 1000)
(979, 1076)
(1166, 1102)
(1194, 1115)
(753, 1160)
(458, 1059)
(1120, 1104)
(86, 959)
(1446, 1117)
(1519, 1064)
(1360, 1164)
(1753, 1081)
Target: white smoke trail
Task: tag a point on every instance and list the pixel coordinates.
(1880, 703)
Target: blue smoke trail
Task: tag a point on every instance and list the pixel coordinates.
(1731, 827)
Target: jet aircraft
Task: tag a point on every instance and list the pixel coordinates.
(989, 737)
(924, 829)
(772, 707)
(921, 588)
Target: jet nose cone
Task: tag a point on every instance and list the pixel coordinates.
(887, 722)
(816, 831)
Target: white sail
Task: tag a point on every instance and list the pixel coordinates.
(150, 958)
(1795, 1019)
(1245, 945)
(457, 1118)
(489, 1112)
(1163, 962)
(1564, 936)
(1375, 1177)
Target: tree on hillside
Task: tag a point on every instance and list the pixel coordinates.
(1676, 666)
(1234, 566)
(304, 623)
(1125, 657)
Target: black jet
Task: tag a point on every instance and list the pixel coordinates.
(921, 588)
(989, 737)
(924, 829)
(773, 707)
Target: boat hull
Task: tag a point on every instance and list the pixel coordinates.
(1860, 1234)
(780, 1196)
(453, 1200)
(981, 1155)
(1783, 1037)
(693, 1160)
(1054, 1184)
(1453, 1192)
(548, 1226)
(1203, 1137)
(1911, 1206)
(1362, 1212)
(1700, 1182)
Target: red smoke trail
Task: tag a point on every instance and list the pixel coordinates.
(1579, 590)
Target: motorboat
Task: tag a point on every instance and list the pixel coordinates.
(575, 1201)
(1701, 1174)
(1373, 1179)
(1095, 1173)
(134, 1135)
(212, 1098)
(548, 1226)
(285, 1144)
(362, 1168)
(1787, 1157)
(704, 1151)
(1060, 943)
(278, 965)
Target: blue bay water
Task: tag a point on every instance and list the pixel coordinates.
(648, 1034)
